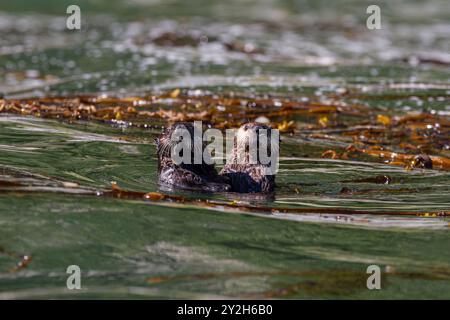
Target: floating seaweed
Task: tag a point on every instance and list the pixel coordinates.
(412, 140)
(23, 260)
(162, 198)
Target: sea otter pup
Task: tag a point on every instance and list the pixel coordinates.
(190, 176)
(246, 171)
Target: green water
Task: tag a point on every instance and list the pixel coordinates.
(139, 249)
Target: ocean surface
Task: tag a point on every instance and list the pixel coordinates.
(54, 172)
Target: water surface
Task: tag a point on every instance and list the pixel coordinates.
(51, 170)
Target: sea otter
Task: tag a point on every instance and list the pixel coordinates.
(247, 173)
(422, 161)
(189, 176)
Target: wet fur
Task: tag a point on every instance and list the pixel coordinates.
(200, 177)
(247, 177)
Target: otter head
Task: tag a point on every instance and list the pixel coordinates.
(422, 161)
(179, 138)
(255, 143)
